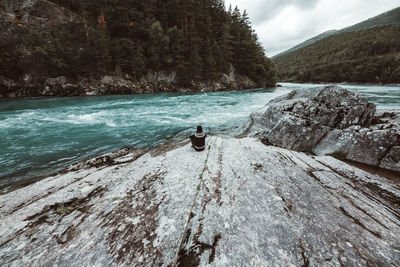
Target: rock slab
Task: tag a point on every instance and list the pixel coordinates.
(238, 203)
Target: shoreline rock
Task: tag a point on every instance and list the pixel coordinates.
(331, 121)
(238, 202)
(153, 82)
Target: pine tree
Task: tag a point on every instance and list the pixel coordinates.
(210, 65)
(158, 49)
(195, 63)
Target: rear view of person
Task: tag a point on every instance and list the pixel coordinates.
(199, 139)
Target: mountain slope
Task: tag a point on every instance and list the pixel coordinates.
(391, 17)
(364, 56)
(368, 55)
(307, 42)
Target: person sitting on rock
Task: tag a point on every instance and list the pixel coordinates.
(198, 139)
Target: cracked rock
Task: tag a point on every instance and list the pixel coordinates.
(238, 203)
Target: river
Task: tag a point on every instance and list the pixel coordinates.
(40, 136)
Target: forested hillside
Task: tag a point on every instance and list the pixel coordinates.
(391, 17)
(307, 42)
(371, 55)
(199, 40)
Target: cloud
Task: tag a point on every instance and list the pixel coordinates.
(282, 24)
(263, 10)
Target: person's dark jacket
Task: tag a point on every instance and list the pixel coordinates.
(198, 141)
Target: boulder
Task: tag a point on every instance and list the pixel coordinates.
(237, 203)
(60, 86)
(114, 85)
(329, 120)
(107, 80)
(54, 86)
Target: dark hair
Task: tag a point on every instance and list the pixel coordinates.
(199, 129)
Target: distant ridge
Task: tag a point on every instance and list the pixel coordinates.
(307, 42)
(391, 17)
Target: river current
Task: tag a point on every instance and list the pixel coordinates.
(40, 136)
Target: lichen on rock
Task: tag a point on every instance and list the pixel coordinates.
(237, 203)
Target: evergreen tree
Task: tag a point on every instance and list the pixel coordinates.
(210, 65)
(195, 63)
(158, 49)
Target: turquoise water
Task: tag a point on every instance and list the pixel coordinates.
(43, 135)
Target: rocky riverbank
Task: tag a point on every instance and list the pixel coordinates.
(153, 82)
(240, 202)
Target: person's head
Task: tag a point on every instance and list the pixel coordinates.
(199, 129)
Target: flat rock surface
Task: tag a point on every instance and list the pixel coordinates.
(238, 203)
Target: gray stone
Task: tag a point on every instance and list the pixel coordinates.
(388, 116)
(54, 86)
(60, 86)
(237, 203)
(110, 85)
(28, 78)
(280, 126)
(392, 160)
(107, 79)
(364, 145)
(329, 121)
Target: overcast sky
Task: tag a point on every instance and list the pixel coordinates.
(282, 24)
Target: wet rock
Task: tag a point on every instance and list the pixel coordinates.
(237, 203)
(329, 121)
